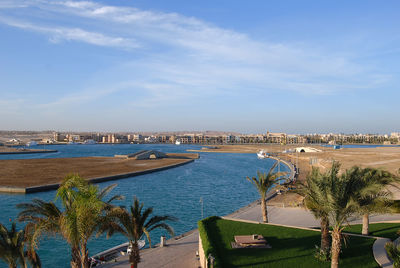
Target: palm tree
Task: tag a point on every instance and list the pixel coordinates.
(371, 193)
(263, 184)
(134, 224)
(315, 200)
(12, 248)
(340, 205)
(83, 212)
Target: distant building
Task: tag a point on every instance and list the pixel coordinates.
(137, 137)
(276, 137)
(395, 135)
(111, 138)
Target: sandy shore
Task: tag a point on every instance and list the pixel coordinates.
(387, 158)
(34, 172)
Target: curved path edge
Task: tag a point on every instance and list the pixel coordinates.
(380, 254)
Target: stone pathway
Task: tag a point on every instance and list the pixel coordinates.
(380, 253)
(180, 253)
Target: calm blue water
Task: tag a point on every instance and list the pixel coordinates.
(217, 178)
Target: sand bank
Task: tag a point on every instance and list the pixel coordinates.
(10, 150)
(33, 175)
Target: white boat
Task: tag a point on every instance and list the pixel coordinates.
(113, 253)
(32, 143)
(178, 142)
(262, 154)
(89, 142)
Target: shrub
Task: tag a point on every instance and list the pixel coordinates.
(322, 255)
(394, 253)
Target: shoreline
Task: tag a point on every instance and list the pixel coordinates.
(29, 152)
(175, 161)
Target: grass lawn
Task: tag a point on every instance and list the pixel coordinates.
(387, 230)
(291, 247)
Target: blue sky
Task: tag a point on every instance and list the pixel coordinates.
(253, 66)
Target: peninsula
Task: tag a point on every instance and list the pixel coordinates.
(11, 150)
(34, 175)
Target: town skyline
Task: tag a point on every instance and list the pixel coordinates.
(210, 138)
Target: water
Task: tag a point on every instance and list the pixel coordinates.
(219, 179)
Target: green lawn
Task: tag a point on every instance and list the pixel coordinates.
(388, 230)
(291, 247)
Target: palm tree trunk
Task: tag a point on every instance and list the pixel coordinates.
(365, 226)
(84, 256)
(325, 237)
(264, 209)
(75, 260)
(336, 245)
(134, 257)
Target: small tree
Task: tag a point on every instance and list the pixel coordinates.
(370, 192)
(83, 211)
(315, 200)
(133, 224)
(12, 248)
(340, 205)
(263, 184)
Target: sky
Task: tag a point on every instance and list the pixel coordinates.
(176, 65)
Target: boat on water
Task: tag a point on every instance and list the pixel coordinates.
(262, 154)
(178, 142)
(113, 253)
(32, 143)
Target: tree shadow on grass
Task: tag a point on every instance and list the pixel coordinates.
(283, 252)
(291, 247)
(392, 228)
(269, 261)
(292, 244)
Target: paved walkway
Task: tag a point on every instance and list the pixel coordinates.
(380, 253)
(181, 253)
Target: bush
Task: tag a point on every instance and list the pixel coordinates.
(394, 253)
(322, 255)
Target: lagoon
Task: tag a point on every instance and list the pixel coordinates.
(217, 178)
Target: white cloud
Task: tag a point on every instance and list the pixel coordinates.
(182, 57)
(58, 34)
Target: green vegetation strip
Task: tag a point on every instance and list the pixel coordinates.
(291, 247)
(206, 227)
